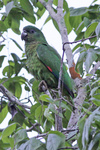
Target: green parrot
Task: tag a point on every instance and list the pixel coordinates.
(43, 60)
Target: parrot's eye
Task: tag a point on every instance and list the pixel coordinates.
(32, 31)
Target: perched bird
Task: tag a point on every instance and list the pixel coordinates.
(43, 60)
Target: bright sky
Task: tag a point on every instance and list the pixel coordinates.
(51, 34)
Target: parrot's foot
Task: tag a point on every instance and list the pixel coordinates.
(43, 86)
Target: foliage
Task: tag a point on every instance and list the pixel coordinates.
(41, 116)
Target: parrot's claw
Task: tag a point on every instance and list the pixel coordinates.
(43, 86)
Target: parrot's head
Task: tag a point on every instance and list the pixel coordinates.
(31, 33)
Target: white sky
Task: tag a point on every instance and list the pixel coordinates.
(51, 34)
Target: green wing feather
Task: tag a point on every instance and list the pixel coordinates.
(50, 58)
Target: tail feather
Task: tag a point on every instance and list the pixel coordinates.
(70, 92)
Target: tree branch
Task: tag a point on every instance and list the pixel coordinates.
(48, 6)
(80, 40)
(3, 38)
(78, 101)
(73, 148)
(58, 119)
(11, 97)
(33, 127)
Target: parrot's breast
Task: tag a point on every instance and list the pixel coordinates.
(37, 68)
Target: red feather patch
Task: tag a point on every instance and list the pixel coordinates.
(49, 68)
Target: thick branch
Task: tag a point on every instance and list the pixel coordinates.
(48, 6)
(78, 101)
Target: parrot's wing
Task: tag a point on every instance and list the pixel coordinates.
(52, 60)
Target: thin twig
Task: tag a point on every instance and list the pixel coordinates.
(3, 38)
(60, 75)
(69, 130)
(32, 127)
(69, 148)
(58, 119)
(40, 135)
(79, 40)
(72, 135)
(68, 102)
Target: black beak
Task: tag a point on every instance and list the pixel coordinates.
(24, 35)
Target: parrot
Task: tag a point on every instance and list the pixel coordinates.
(43, 60)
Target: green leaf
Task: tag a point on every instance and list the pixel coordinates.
(2, 26)
(82, 57)
(18, 67)
(34, 2)
(33, 108)
(45, 97)
(8, 71)
(55, 24)
(79, 28)
(26, 5)
(91, 29)
(65, 6)
(77, 48)
(97, 30)
(19, 117)
(95, 101)
(62, 105)
(47, 20)
(29, 17)
(52, 108)
(87, 21)
(78, 11)
(11, 141)
(32, 144)
(9, 130)
(1, 46)
(81, 123)
(40, 13)
(39, 112)
(67, 22)
(15, 25)
(1, 60)
(27, 88)
(39, 5)
(85, 135)
(9, 6)
(55, 2)
(20, 136)
(90, 57)
(17, 44)
(55, 140)
(97, 95)
(3, 113)
(15, 57)
(75, 21)
(94, 141)
(18, 90)
(93, 91)
(1, 4)
(48, 115)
